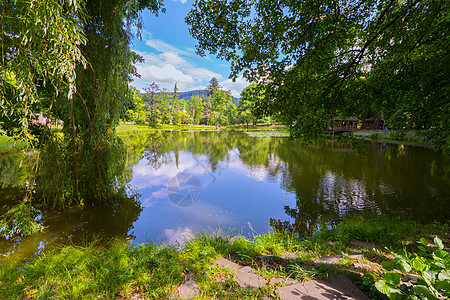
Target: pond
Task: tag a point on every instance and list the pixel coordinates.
(181, 182)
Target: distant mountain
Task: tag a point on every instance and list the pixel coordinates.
(201, 93)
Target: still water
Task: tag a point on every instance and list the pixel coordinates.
(186, 182)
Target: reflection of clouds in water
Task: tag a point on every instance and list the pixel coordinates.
(149, 202)
(208, 214)
(178, 236)
(258, 173)
(160, 194)
(344, 194)
(146, 176)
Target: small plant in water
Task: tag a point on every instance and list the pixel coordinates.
(433, 268)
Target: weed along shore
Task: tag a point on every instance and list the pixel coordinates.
(355, 259)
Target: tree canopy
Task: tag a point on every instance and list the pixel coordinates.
(70, 60)
(319, 59)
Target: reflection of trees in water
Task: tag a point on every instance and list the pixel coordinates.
(253, 150)
(393, 179)
(106, 218)
(329, 180)
(79, 225)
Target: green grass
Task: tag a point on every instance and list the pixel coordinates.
(265, 133)
(118, 270)
(125, 129)
(8, 144)
(262, 129)
(391, 136)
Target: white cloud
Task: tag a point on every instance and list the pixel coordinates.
(166, 64)
(161, 46)
(202, 73)
(235, 87)
(166, 75)
(173, 58)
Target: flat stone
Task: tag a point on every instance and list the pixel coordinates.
(189, 290)
(355, 256)
(336, 287)
(365, 245)
(289, 255)
(225, 263)
(354, 250)
(246, 270)
(248, 279)
(286, 281)
(328, 260)
(265, 298)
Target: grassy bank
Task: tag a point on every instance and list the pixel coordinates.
(392, 136)
(148, 271)
(130, 128)
(9, 145)
(125, 128)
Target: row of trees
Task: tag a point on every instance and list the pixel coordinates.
(164, 107)
(314, 60)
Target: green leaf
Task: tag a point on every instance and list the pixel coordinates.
(424, 241)
(392, 278)
(392, 292)
(423, 291)
(441, 254)
(382, 287)
(396, 296)
(438, 243)
(444, 275)
(430, 275)
(368, 279)
(386, 265)
(402, 264)
(443, 285)
(423, 249)
(419, 264)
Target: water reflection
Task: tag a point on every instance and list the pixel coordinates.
(249, 184)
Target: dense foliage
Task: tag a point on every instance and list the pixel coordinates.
(41, 47)
(433, 266)
(71, 61)
(165, 107)
(318, 59)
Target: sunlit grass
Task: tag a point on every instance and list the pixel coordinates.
(118, 271)
(8, 144)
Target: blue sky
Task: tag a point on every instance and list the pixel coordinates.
(169, 53)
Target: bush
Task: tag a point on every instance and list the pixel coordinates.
(433, 268)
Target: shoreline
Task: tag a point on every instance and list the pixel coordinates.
(212, 263)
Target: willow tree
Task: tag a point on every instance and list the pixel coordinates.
(87, 164)
(311, 56)
(72, 61)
